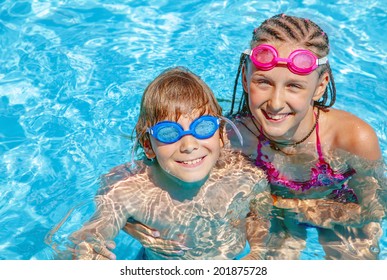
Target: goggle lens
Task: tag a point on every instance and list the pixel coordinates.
(167, 133)
(205, 129)
(303, 60)
(264, 56)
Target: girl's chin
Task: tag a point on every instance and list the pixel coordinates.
(274, 130)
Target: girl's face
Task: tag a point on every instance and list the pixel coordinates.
(281, 101)
(189, 159)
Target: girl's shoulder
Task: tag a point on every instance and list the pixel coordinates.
(345, 131)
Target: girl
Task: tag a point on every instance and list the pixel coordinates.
(188, 187)
(307, 149)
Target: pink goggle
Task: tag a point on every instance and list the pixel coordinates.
(300, 62)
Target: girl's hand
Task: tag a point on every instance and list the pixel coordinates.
(151, 238)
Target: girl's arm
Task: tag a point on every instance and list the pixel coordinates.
(258, 226)
(327, 213)
(321, 212)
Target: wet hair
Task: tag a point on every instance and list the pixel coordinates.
(294, 30)
(175, 92)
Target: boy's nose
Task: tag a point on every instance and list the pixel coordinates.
(188, 144)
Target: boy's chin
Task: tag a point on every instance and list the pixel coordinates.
(189, 182)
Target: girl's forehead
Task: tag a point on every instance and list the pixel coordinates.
(284, 49)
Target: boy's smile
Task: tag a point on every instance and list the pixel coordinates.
(189, 159)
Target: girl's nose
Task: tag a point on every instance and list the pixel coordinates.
(277, 101)
(188, 144)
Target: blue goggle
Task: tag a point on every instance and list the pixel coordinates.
(169, 132)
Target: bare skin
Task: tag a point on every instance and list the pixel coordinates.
(220, 207)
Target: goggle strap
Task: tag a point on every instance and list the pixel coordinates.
(322, 60)
(248, 51)
(235, 129)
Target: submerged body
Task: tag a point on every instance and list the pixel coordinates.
(338, 193)
(309, 151)
(210, 220)
(187, 184)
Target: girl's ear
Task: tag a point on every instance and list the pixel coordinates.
(321, 87)
(147, 146)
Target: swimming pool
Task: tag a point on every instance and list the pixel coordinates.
(72, 74)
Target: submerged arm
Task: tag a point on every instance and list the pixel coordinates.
(327, 213)
(95, 238)
(258, 226)
(321, 212)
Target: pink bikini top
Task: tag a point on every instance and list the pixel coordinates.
(321, 174)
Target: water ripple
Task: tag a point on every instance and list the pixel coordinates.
(72, 75)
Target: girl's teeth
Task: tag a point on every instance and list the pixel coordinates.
(277, 117)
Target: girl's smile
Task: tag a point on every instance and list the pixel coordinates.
(275, 117)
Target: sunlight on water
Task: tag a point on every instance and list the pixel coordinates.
(72, 74)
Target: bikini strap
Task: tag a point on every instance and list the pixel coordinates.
(318, 143)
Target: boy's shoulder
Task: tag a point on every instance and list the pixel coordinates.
(129, 175)
(237, 173)
(234, 161)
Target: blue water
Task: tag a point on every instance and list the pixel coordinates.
(72, 74)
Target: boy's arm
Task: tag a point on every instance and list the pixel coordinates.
(95, 238)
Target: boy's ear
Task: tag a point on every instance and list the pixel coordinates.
(222, 138)
(147, 146)
(321, 87)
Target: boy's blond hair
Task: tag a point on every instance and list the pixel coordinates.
(175, 92)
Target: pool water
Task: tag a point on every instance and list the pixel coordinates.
(72, 74)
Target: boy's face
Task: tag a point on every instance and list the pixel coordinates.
(189, 159)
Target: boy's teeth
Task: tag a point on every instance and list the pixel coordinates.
(192, 161)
